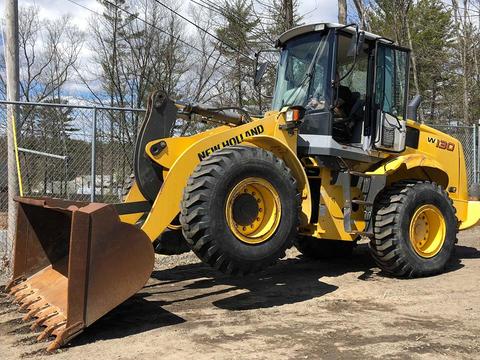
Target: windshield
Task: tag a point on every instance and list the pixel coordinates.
(294, 86)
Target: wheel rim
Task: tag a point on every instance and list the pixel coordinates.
(253, 210)
(427, 231)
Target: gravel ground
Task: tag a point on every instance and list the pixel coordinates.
(342, 309)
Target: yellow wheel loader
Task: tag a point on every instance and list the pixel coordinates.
(339, 157)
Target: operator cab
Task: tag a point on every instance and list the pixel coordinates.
(353, 86)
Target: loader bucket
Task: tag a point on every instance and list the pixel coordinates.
(73, 263)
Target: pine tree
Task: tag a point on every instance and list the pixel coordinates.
(238, 42)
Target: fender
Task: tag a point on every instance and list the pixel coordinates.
(167, 203)
(468, 212)
(290, 158)
(411, 161)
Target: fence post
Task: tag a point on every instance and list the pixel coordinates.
(474, 140)
(93, 160)
(477, 140)
(12, 89)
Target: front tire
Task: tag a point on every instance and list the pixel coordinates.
(415, 229)
(240, 209)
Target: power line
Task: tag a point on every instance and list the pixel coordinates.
(220, 11)
(237, 19)
(202, 29)
(216, 9)
(152, 25)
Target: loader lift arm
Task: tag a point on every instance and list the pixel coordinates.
(159, 122)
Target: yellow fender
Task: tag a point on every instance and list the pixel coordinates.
(167, 203)
(182, 163)
(468, 212)
(411, 161)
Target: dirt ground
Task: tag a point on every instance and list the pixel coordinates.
(301, 309)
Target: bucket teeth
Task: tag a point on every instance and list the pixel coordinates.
(22, 294)
(51, 324)
(17, 288)
(47, 316)
(60, 329)
(29, 300)
(34, 308)
(14, 283)
(43, 315)
(55, 344)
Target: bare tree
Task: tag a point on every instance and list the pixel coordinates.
(48, 51)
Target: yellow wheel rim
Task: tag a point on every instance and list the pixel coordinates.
(253, 210)
(427, 231)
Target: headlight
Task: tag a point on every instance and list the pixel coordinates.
(293, 115)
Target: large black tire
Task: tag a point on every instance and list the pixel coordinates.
(392, 247)
(128, 185)
(314, 248)
(204, 213)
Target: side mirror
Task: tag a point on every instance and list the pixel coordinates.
(259, 73)
(413, 107)
(352, 47)
(361, 41)
(356, 44)
(261, 69)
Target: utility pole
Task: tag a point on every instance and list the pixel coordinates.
(288, 5)
(12, 70)
(342, 12)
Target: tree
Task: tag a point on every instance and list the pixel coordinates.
(238, 40)
(466, 50)
(429, 27)
(49, 51)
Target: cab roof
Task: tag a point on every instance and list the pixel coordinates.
(303, 29)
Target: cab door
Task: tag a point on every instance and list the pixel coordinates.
(390, 96)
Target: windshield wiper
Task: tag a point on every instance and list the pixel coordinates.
(308, 76)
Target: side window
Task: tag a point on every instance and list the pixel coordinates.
(391, 81)
(352, 88)
(391, 84)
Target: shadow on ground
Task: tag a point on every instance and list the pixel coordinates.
(134, 316)
(291, 281)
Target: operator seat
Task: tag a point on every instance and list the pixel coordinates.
(343, 127)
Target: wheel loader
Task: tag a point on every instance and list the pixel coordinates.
(339, 157)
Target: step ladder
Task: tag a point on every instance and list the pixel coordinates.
(371, 185)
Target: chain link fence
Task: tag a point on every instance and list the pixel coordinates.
(57, 158)
(56, 155)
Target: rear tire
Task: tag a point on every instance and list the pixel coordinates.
(314, 248)
(222, 215)
(415, 229)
